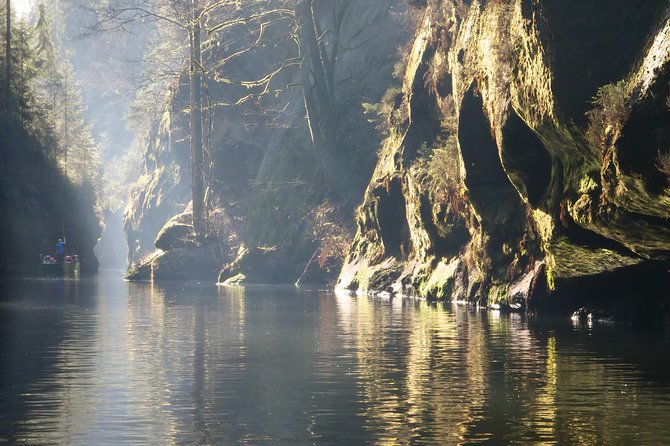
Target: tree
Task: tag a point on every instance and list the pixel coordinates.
(50, 81)
(19, 70)
(191, 18)
(78, 152)
(316, 29)
(210, 34)
(8, 52)
(195, 78)
(25, 72)
(45, 98)
(187, 18)
(44, 69)
(318, 81)
(326, 30)
(44, 46)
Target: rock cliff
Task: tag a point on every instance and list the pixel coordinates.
(525, 157)
(38, 205)
(263, 184)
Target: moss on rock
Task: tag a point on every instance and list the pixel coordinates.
(543, 195)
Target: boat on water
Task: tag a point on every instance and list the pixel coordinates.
(61, 264)
(66, 269)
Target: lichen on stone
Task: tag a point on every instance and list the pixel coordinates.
(542, 194)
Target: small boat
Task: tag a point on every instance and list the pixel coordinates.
(68, 269)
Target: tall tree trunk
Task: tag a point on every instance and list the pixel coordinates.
(66, 117)
(197, 180)
(319, 98)
(22, 78)
(8, 54)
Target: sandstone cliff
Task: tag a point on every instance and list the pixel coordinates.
(263, 168)
(525, 156)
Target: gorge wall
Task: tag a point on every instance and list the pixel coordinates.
(39, 205)
(524, 163)
(263, 176)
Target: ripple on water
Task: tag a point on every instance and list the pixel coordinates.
(107, 362)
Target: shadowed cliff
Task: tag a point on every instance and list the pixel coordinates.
(39, 205)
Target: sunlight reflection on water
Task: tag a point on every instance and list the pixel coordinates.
(103, 361)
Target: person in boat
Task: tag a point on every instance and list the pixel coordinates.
(60, 251)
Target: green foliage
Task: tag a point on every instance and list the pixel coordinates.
(46, 102)
(443, 165)
(380, 113)
(610, 113)
(663, 163)
(333, 233)
(44, 45)
(21, 103)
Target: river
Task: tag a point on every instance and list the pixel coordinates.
(103, 361)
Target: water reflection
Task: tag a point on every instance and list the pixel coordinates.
(109, 362)
(430, 373)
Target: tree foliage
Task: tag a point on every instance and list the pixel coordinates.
(46, 100)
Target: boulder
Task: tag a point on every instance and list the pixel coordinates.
(177, 264)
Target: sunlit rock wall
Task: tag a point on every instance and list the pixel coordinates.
(163, 189)
(503, 180)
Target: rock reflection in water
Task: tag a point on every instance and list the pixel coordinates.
(109, 362)
(429, 372)
(420, 368)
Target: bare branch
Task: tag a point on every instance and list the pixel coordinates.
(111, 19)
(251, 47)
(245, 20)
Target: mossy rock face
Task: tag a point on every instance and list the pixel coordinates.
(539, 195)
(140, 272)
(239, 279)
(177, 265)
(177, 233)
(186, 264)
(260, 265)
(164, 189)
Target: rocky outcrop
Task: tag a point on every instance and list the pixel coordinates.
(184, 265)
(263, 169)
(163, 190)
(180, 256)
(523, 154)
(177, 233)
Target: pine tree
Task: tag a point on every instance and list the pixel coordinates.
(8, 52)
(44, 47)
(49, 84)
(24, 68)
(79, 155)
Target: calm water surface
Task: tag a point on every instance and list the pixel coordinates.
(103, 361)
